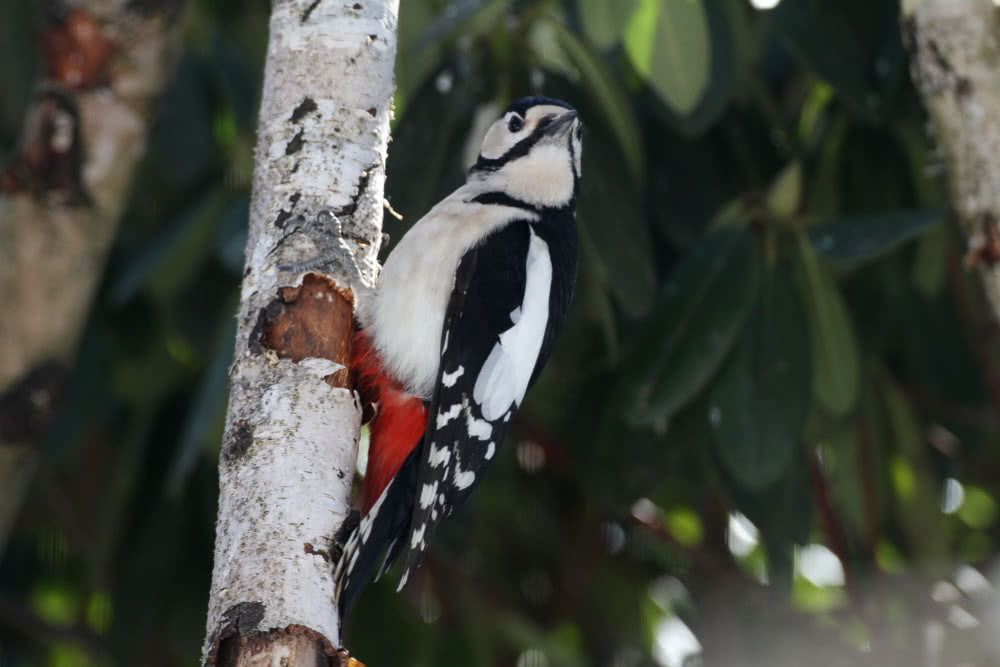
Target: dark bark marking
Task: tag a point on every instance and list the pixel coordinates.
(284, 214)
(51, 155)
(243, 619)
(244, 616)
(309, 10)
(29, 407)
(357, 6)
(307, 106)
(74, 49)
(938, 56)
(372, 111)
(312, 320)
(282, 218)
(264, 318)
(239, 441)
(295, 145)
(963, 86)
(349, 209)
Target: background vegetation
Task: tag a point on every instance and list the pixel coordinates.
(770, 426)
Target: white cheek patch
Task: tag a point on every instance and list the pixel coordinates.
(504, 377)
(499, 139)
(543, 177)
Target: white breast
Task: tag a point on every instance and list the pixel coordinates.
(405, 315)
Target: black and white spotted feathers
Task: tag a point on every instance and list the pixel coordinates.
(465, 316)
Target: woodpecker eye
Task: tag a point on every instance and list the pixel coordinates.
(515, 124)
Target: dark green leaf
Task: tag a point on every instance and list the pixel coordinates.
(701, 311)
(733, 52)
(758, 404)
(611, 212)
(867, 72)
(668, 43)
(859, 239)
(611, 99)
(604, 22)
(836, 367)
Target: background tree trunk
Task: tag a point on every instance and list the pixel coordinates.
(60, 201)
(954, 50)
(290, 442)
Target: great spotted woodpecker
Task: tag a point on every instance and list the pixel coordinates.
(459, 326)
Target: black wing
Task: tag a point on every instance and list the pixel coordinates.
(510, 299)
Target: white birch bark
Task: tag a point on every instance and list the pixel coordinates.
(56, 229)
(954, 50)
(290, 442)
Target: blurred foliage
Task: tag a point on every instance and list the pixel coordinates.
(771, 419)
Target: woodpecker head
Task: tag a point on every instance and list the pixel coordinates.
(532, 153)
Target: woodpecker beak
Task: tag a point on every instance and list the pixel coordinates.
(561, 125)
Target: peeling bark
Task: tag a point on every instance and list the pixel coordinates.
(290, 442)
(954, 48)
(61, 198)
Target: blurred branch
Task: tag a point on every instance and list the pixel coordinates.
(955, 64)
(292, 427)
(61, 198)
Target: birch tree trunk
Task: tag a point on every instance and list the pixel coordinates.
(61, 198)
(289, 448)
(954, 48)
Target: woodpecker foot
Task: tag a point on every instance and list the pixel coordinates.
(340, 539)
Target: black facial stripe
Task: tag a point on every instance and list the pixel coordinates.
(503, 199)
(520, 149)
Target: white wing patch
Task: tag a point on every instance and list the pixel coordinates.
(418, 537)
(449, 379)
(463, 478)
(444, 417)
(427, 494)
(490, 450)
(439, 457)
(505, 375)
(477, 428)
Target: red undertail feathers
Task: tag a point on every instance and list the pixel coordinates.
(398, 425)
